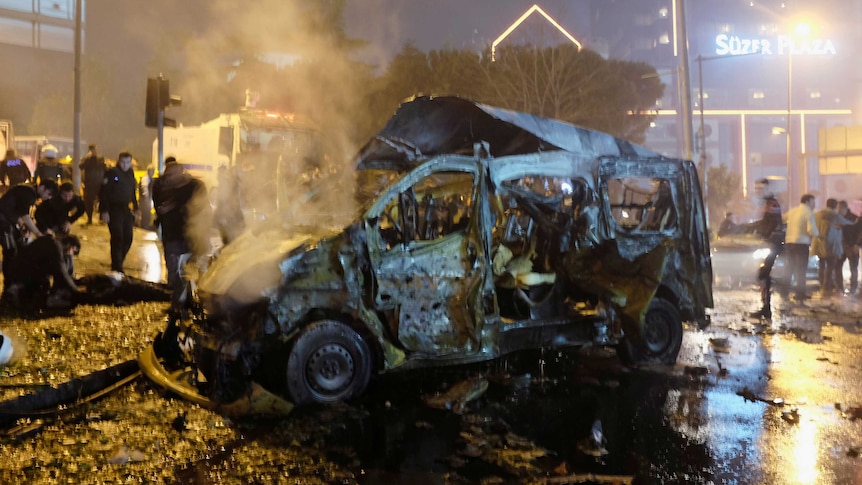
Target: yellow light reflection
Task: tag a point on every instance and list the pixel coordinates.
(152, 267)
(796, 446)
(805, 451)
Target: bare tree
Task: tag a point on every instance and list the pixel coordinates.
(575, 86)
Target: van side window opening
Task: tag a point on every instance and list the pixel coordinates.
(535, 217)
(642, 204)
(436, 206)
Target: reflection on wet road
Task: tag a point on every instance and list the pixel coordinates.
(748, 402)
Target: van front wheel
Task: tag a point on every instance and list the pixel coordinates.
(328, 363)
(660, 338)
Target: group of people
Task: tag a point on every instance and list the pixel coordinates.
(37, 214)
(178, 199)
(33, 256)
(833, 234)
(37, 211)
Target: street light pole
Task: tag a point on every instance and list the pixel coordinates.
(789, 124)
(683, 80)
(703, 160)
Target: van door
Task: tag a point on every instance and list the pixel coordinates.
(427, 259)
(656, 213)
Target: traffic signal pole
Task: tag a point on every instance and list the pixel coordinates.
(161, 130)
(158, 98)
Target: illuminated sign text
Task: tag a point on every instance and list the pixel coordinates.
(734, 45)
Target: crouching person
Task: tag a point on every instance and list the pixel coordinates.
(38, 277)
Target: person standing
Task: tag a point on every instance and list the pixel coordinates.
(181, 202)
(801, 229)
(14, 169)
(93, 168)
(227, 213)
(145, 198)
(852, 238)
(728, 225)
(769, 228)
(118, 206)
(48, 167)
(829, 247)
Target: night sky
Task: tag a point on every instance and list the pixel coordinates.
(386, 25)
(389, 24)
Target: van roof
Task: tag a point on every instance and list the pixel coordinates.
(428, 126)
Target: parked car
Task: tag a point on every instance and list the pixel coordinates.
(481, 232)
(736, 259)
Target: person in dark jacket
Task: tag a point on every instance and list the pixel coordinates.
(728, 225)
(770, 227)
(180, 201)
(15, 208)
(38, 275)
(852, 239)
(14, 169)
(93, 168)
(118, 206)
(49, 168)
(58, 214)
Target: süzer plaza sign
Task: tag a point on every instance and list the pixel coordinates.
(734, 45)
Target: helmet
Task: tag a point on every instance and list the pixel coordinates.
(5, 349)
(49, 151)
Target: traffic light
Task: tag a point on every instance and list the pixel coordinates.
(158, 98)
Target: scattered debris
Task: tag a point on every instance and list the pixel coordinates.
(696, 371)
(123, 455)
(853, 413)
(24, 429)
(594, 445)
(790, 415)
(720, 344)
(424, 425)
(590, 478)
(457, 397)
(747, 394)
(179, 423)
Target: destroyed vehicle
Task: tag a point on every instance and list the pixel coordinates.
(482, 232)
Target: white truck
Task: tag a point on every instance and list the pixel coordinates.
(268, 151)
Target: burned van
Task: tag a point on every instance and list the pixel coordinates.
(482, 232)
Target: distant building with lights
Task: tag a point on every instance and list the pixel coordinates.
(745, 48)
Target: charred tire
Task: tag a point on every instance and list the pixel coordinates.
(660, 338)
(328, 363)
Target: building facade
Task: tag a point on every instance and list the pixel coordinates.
(765, 77)
(37, 46)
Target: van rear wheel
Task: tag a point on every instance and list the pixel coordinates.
(328, 363)
(660, 339)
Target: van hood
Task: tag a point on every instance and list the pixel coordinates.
(247, 269)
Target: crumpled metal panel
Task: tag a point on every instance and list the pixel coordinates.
(429, 126)
(429, 294)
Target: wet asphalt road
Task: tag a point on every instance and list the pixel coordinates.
(747, 402)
